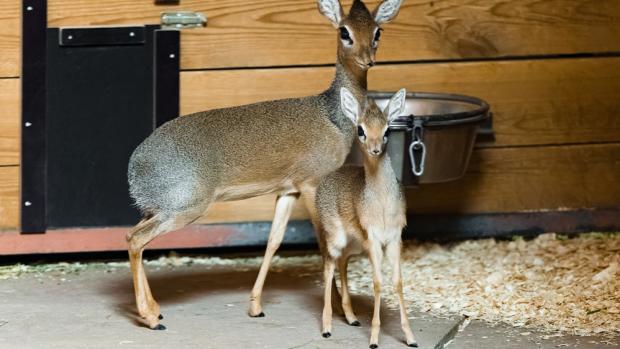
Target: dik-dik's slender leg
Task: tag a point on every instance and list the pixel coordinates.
(375, 254)
(393, 253)
(138, 238)
(284, 207)
(328, 273)
(347, 308)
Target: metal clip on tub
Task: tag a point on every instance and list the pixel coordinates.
(417, 146)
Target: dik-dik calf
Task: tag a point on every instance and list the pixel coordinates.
(362, 209)
(281, 147)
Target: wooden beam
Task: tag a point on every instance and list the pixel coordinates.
(535, 102)
(527, 179)
(256, 209)
(286, 32)
(552, 101)
(498, 180)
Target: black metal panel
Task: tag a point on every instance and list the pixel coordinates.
(100, 107)
(32, 199)
(102, 36)
(167, 58)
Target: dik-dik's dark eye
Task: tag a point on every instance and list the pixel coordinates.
(360, 132)
(378, 34)
(386, 134)
(344, 35)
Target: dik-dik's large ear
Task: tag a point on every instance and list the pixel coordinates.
(396, 106)
(332, 10)
(349, 105)
(386, 11)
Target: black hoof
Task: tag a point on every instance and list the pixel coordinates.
(355, 323)
(161, 317)
(259, 315)
(374, 346)
(413, 345)
(327, 335)
(159, 327)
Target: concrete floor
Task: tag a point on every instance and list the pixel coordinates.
(206, 308)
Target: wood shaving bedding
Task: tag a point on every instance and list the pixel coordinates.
(551, 283)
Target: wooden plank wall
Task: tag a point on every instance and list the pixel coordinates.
(549, 68)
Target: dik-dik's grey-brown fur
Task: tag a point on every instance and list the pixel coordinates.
(362, 209)
(280, 147)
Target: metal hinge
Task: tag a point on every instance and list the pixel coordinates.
(182, 20)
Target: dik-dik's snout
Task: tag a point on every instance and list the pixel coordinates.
(371, 59)
(367, 60)
(375, 148)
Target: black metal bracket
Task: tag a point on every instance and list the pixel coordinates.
(166, 83)
(33, 104)
(101, 36)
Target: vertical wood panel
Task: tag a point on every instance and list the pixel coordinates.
(10, 32)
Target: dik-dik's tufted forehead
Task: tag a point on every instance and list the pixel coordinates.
(359, 13)
(373, 116)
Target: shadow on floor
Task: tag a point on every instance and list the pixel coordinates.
(294, 289)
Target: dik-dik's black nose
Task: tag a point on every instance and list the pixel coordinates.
(376, 151)
(371, 64)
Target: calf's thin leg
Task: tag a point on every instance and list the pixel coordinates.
(329, 265)
(308, 191)
(393, 253)
(375, 254)
(347, 308)
(284, 207)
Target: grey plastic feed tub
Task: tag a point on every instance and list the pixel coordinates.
(433, 140)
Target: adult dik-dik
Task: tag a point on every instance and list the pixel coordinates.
(281, 146)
